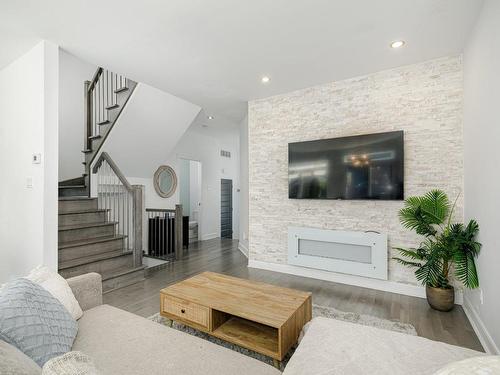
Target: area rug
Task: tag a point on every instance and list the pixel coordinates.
(324, 311)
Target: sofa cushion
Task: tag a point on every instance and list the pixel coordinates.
(58, 287)
(15, 362)
(123, 343)
(484, 365)
(34, 321)
(336, 347)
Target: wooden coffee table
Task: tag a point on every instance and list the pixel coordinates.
(260, 317)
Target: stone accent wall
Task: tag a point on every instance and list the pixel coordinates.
(425, 100)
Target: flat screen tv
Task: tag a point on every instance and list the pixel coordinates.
(367, 166)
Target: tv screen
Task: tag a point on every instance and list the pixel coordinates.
(360, 167)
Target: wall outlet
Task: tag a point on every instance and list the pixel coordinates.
(481, 296)
(29, 182)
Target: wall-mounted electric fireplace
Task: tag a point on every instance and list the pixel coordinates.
(354, 253)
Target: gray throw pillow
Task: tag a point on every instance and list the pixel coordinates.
(33, 321)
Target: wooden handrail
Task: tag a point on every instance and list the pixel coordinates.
(94, 80)
(160, 210)
(105, 157)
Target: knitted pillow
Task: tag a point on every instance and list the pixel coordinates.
(35, 322)
(72, 363)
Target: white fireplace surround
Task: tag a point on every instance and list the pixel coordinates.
(354, 253)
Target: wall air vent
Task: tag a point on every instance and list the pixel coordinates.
(224, 153)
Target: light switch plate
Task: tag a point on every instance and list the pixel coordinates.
(37, 158)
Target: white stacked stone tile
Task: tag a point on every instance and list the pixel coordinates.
(425, 100)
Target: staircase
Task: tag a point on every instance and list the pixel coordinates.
(100, 234)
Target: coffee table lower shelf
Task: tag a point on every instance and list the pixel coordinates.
(251, 335)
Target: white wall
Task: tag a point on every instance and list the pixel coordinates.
(148, 129)
(243, 244)
(73, 72)
(482, 179)
(29, 125)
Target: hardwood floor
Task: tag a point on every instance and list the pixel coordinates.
(223, 256)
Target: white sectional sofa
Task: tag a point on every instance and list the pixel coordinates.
(123, 343)
(334, 347)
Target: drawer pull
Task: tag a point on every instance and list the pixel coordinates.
(183, 311)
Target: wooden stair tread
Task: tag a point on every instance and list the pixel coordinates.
(89, 211)
(121, 89)
(104, 122)
(95, 137)
(120, 271)
(90, 241)
(113, 106)
(72, 186)
(76, 198)
(89, 225)
(93, 258)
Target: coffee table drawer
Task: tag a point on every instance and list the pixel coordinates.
(185, 310)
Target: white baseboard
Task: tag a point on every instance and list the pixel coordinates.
(364, 282)
(480, 329)
(209, 236)
(243, 249)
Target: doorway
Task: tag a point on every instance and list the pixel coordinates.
(226, 208)
(190, 195)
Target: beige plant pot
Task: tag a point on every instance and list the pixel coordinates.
(440, 299)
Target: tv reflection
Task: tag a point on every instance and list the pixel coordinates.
(347, 175)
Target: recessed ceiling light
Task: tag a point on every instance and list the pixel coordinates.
(397, 44)
(210, 117)
(265, 79)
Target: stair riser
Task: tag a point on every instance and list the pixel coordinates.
(73, 181)
(86, 233)
(122, 281)
(77, 205)
(71, 253)
(101, 266)
(82, 218)
(72, 192)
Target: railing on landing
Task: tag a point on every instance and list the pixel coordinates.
(123, 202)
(165, 232)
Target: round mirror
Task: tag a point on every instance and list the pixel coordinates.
(165, 181)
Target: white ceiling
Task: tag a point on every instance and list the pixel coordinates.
(213, 53)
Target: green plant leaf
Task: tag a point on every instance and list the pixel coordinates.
(407, 263)
(412, 254)
(421, 213)
(465, 270)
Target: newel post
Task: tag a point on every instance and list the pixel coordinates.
(87, 131)
(178, 231)
(138, 216)
(87, 115)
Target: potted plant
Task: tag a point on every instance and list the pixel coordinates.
(448, 248)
